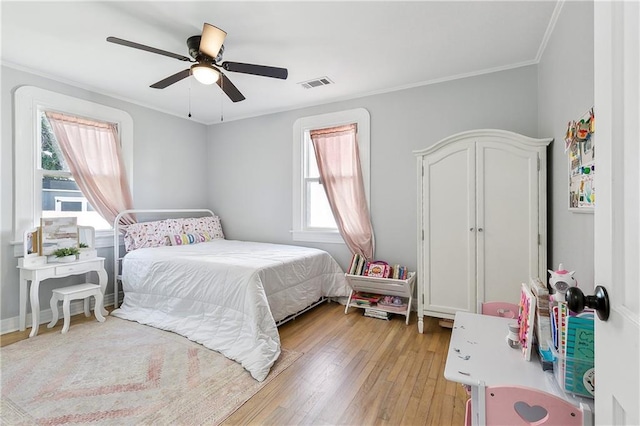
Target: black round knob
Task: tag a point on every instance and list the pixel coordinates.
(577, 301)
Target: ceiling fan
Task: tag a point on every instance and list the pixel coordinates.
(206, 50)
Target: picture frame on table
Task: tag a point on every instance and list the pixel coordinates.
(56, 233)
(31, 248)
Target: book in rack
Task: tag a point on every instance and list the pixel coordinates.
(375, 268)
(376, 313)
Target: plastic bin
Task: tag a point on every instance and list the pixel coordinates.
(575, 376)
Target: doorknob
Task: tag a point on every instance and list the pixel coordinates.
(576, 300)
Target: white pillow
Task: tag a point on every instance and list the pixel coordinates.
(150, 234)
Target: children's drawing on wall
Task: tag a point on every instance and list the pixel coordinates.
(580, 147)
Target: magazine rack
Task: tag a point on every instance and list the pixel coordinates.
(384, 287)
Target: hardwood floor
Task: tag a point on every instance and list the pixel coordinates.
(359, 371)
(354, 370)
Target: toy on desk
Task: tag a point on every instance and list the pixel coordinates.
(560, 281)
(513, 339)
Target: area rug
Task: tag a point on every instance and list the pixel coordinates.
(122, 373)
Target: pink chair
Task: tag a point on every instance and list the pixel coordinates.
(517, 405)
(500, 309)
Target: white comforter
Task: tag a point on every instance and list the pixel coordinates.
(227, 295)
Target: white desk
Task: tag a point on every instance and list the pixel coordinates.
(491, 361)
(39, 273)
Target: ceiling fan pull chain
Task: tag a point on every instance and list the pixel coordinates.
(189, 98)
(221, 103)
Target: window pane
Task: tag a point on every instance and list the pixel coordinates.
(50, 156)
(61, 197)
(319, 211)
(312, 164)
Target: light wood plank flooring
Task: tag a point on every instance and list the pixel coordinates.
(354, 370)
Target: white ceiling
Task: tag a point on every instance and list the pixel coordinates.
(364, 47)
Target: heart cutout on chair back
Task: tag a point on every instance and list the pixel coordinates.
(528, 413)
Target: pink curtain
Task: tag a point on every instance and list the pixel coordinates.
(338, 160)
(92, 151)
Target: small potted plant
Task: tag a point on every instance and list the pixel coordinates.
(86, 252)
(66, 254)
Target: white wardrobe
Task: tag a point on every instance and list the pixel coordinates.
(481, 220)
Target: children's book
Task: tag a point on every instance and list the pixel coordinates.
(354, 264)
(563, 313)
(554, 326)
(526, 319)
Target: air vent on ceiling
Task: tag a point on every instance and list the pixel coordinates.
(316, 82)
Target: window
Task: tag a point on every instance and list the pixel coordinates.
(318, 214)
(312, 217)
(60, 195)
(43, 184)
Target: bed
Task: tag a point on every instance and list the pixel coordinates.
(182, 275)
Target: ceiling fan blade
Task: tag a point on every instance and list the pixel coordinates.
(212, 39)
(261, 70)
(229, 89)
(172, 79)
(128, 43)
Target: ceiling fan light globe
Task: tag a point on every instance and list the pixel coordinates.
(205, 74)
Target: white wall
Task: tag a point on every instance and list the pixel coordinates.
(169, 169)
(246, 173)
(565, 93)
(251, 160)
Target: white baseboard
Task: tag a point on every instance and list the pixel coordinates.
(76, 306)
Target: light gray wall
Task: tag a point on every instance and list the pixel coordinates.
(246, 176)
(565, 81)
(251, 160)
(169, 169)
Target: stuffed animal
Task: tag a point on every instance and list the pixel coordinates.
(560, 281)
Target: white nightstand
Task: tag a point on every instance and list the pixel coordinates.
(38, 273)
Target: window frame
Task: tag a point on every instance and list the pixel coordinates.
(27, 189)
(361, 117)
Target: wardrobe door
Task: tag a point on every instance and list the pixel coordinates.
(507, 220)
(449, 248)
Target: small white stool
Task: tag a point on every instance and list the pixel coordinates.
(75, 292)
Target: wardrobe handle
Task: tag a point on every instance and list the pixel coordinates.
(471, 229)
(479, 229)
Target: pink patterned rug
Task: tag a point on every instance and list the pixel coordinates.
(121, 372)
